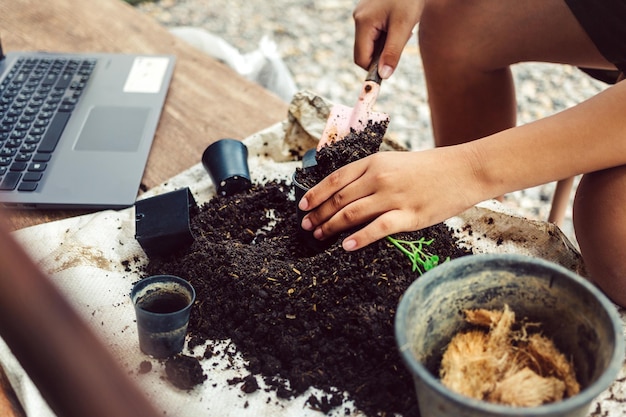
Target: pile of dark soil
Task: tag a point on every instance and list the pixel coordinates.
(300, 318)
(354, 146)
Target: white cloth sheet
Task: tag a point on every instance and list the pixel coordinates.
(84, 257)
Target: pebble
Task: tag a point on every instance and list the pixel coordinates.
(315, 41)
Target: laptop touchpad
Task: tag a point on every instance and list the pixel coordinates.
(112, 129)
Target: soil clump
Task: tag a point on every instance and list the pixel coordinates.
(184, 372)
(301, 318)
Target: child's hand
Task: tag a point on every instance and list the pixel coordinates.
(391, 192)
(395, 17)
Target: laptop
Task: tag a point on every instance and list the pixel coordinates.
(76, 129)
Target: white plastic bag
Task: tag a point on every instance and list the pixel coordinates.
(263, 66)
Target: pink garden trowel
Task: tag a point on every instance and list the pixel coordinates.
(344, 118)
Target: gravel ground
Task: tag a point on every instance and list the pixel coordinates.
(315, 40)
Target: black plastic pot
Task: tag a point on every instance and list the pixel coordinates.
(308, 160)
(162, 222)
(226, 161)
(574, 314)
(304, 235)
(162, 306)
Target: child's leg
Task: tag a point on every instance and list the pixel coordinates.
(467, 47)
(600, 224)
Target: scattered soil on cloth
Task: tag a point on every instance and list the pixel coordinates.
(300, 318)
(145, 367)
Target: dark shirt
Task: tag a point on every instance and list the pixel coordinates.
(605, 23)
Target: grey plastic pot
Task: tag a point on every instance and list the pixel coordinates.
(308, 160)
(162, 307)
(580, 320)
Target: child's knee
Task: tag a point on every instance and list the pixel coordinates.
(609, 277)
(600, 225)
(444, 36)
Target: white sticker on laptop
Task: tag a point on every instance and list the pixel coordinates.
(146, 75)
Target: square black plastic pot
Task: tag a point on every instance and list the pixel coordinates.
(162, 222)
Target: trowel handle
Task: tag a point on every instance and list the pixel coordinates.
(372, 71)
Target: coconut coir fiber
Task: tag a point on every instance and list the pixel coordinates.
(506, 361)
(300, 318)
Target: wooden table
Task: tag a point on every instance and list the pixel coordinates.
(207, 101)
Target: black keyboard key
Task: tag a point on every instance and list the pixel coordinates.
(45, 115)
(9, 121)
(56, 93)
(18, 134)
(49, 107)
(10, 181)
(32, 176)
(18, 166)
(26, 120)
(30, 111)
(70, 100)
(5, 152)
(28, 148)
(41, 157)
(50, 79)
(53, 134)
(14, 113)
(37, 131)
(41, 123)
(13, 142)
(32, 138)
(64, 80)
(37, 167)
(28, 186)
(66, 108)
(23, 157)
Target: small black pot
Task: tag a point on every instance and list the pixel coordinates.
(162, 222)
(226, 161)
(304, 235)
(308, 160)
(162, 307)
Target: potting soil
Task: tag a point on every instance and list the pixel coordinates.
(302, 318)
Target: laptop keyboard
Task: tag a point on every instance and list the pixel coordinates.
(36, 101)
